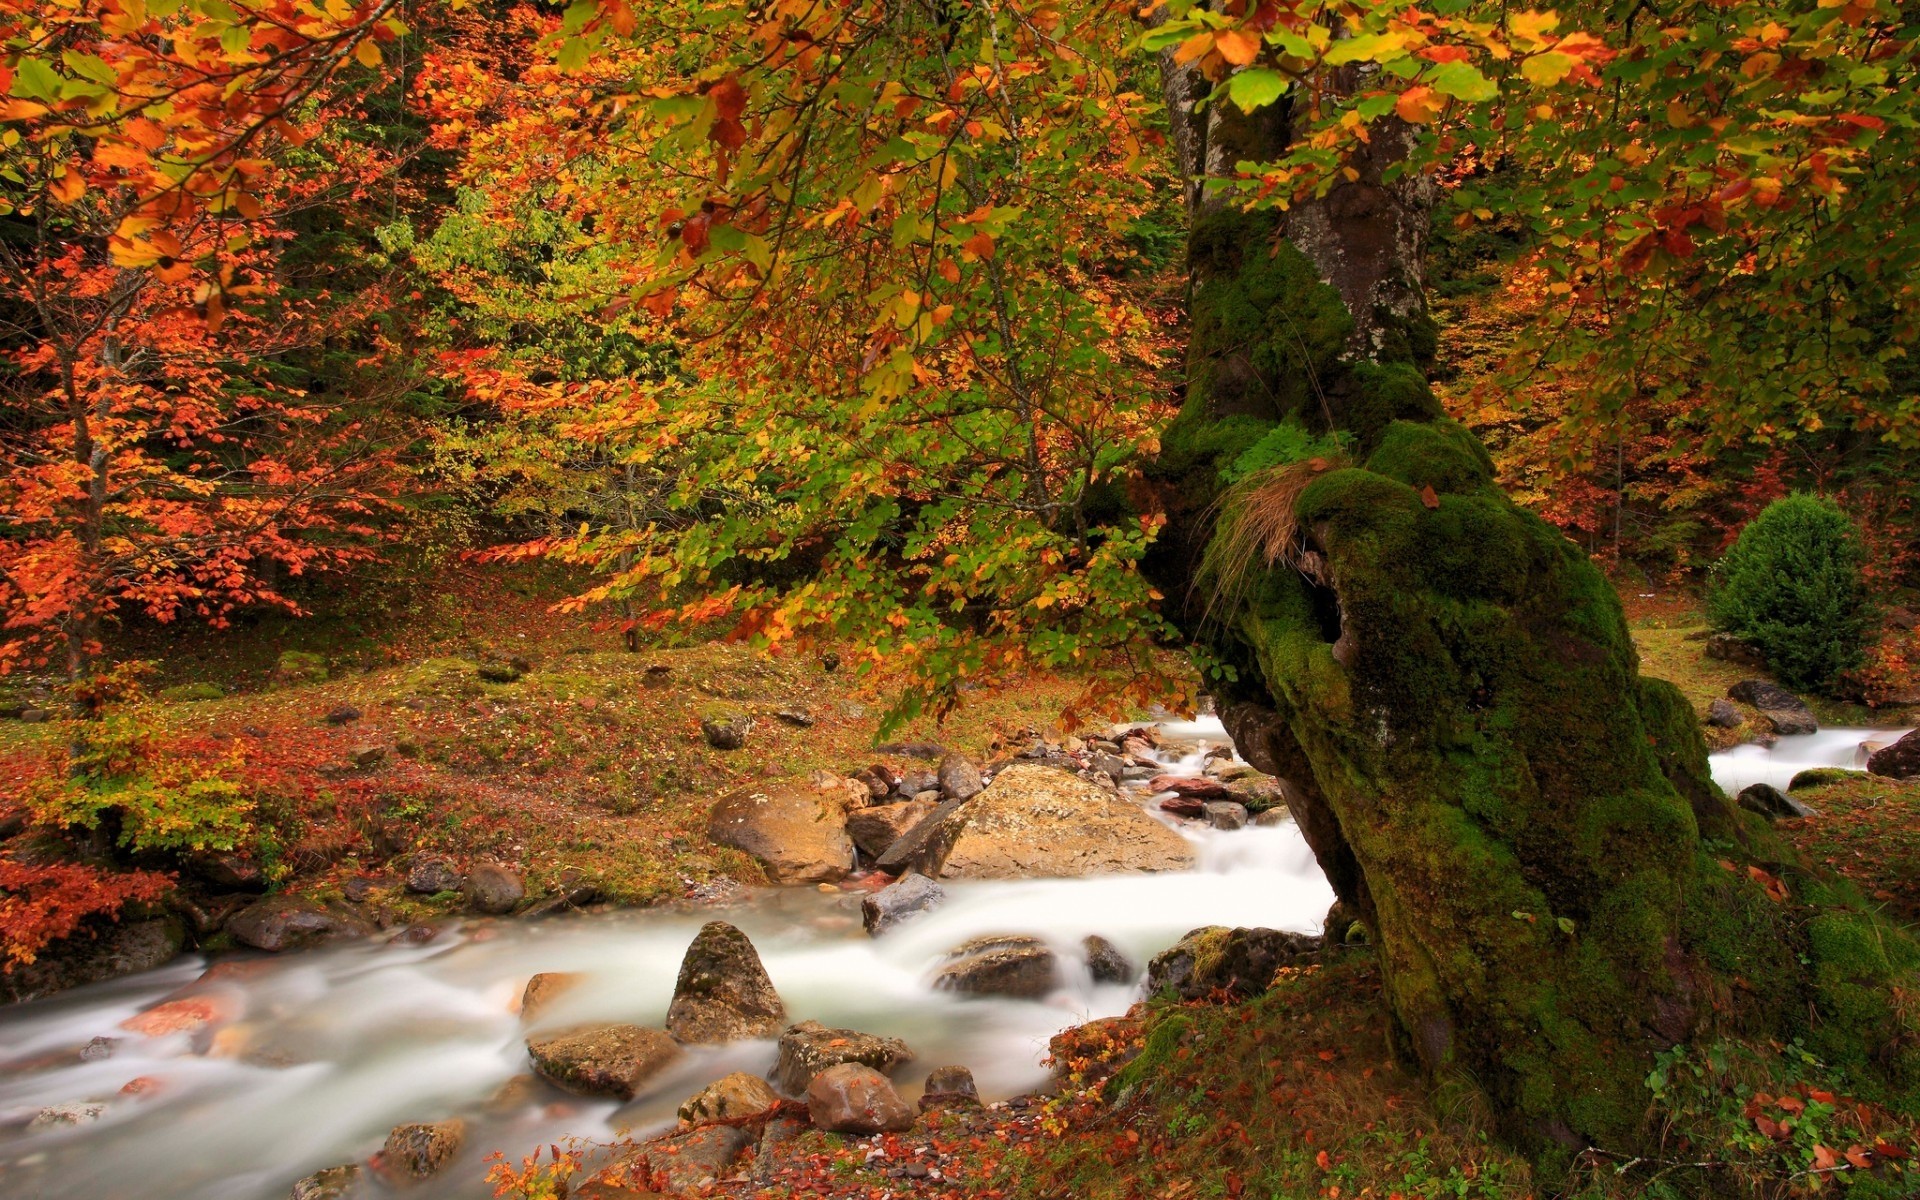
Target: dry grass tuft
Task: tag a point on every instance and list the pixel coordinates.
(1257, 525)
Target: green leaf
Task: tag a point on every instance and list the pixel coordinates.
(35, 80)
(1368, 47)
(1547, 69)
(1256, 87)
(1463, 81)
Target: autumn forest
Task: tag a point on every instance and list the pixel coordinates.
(1017, 598)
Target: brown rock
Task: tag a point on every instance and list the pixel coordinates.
(851, 1098)
(796, 830)
(603, 1060)
(334, 1183)
(289, 922)
(1037, 821)
(875, 829)
(493, 889)
(1898, 761)
(723, 993)
(950, 1087)
(735, 1095)
(809, 1048)
(543, 989)
(1017, 966)
(421, 1151)
(1198, 786)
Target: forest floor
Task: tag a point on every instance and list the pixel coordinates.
(593, 767)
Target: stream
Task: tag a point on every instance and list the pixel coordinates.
(318, 1054)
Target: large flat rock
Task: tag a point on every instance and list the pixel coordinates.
(1040, 822)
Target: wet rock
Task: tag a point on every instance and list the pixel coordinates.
(1215, 958)
(422, 1150)
(1184, 806)
(1772, 803)
(189, 1014)
(726, 730)
(1787, 712)
(1198, 787)
(1728, 648)
(334, 1183)
(126, 948)
(71, 1112)
(543, 989)
(516, 1094)
(797, 830)
(228, 870)
(1898, 761)
(875, 829)
(919, 845)
(1273, 817)
(1106, 962)
(1226, 814)
(1724, 714)
(290, 922)
(809, 1048)
(98, 1049)
(1018, 966)
(723, 993)
(604, 1060)
(959, 778)
(431, 874)
(901, 901)
(493, 889)
(851, 1098)
(950, 1087)
(1039, 822)
(732, 1096)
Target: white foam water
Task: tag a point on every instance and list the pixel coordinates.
(1744, 766)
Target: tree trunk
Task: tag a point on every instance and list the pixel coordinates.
(1448, 687)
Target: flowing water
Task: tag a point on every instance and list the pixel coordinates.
(1744, 766)
(318, 1055)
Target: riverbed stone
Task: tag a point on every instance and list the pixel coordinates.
(723, 993)
(1040, 821)
(958, 778)
(729, 1097)
(70, 1112)
(875, 828)
(421, 1150)
(1214, 958)
(1724, 714)
(949, 1087)
(1787, 712)
(431, 874)
(1018, 966)
(1106, 962)
(796, 829)
(291, 922)
(603, 1060)
(903, 900)
(332, 1183)
(1772, 803)
(808, 1048)
(1226, 814)
(493, 889)
(125, 948)
(852, 1098)
(1898, 761)
(543, 989)
(919, 845)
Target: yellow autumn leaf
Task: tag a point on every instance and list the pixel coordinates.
(367, 54)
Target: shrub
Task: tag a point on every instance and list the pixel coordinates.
(298, 666)
(159, 797)
(1792, 586)
(39, 905)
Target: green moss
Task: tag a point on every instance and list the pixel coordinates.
(1154, 1057)
(1377, 394)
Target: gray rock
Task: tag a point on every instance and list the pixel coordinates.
(1111, 765)
(431, 874)
(950, 1087)
(959, 778)
(333, 1183)
(1106, 962)
(903, 900)
(726, 730)
(126, 948)
(422, 1150)
(290, 922)
(1240, 962)
(723, 993)
(918, 845)
(1018, 966)
(1788, 713)
(1898, 761)
(1771, 802)
(876, 828)
(1728, 648)
(1723, 714)
(851, 1098)
(914, 783)
(809, 1048)
(493, 889)
(1226, 814)
(604, 1060)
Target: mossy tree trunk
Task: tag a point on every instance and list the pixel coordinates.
(1447, 685)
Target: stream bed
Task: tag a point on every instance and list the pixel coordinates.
(317, 1055)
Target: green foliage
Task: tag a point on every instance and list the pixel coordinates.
(191, 691)
(299, 666)
(1282, 445)
(158, 798)
(1792, 585)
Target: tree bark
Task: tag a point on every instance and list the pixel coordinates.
(1448, 687)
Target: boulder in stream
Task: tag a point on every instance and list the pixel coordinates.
(1898, 761)
(728, 1098)
(796, 829)
(852, 1098)
(908, 897)
(809, 1048)
(1040, 821)
(333, 1183)
(422, 1150)
(603, 1060)
(290, 922)
(1018, 966)
(723, 993)
(543, 989)
(1787, 712)
(1105, 961)
(126, 948)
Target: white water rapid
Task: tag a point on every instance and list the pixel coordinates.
(319, 1054)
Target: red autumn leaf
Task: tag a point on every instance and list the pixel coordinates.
(729, 99)
(1859, 1158)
